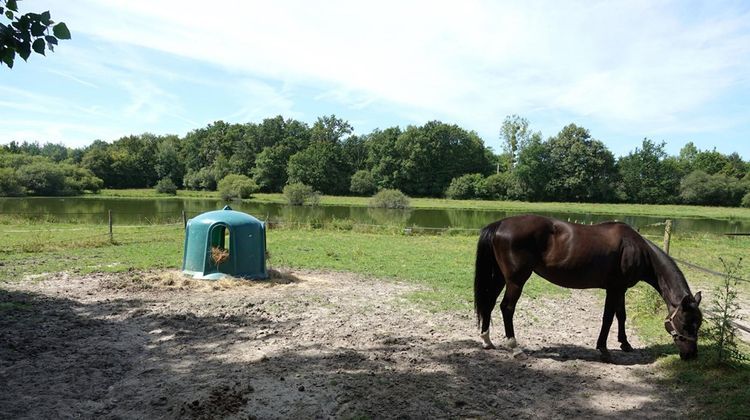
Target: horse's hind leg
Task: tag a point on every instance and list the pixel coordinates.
(485, 312)
(508, 307)
(621, 336)
(614, 300)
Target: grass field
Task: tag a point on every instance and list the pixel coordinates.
(443, 263)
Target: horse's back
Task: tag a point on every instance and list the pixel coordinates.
(567, 254)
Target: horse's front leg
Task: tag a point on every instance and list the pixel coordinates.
(612, 304)
(621, 336)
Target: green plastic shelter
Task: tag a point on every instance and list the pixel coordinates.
(225, 243)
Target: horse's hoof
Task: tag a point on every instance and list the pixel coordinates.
(518, 354)
(625, 346)
(511, 343)
(486, 342)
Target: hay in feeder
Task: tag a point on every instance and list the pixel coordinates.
(219, 255)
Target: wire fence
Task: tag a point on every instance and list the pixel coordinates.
(180, 219)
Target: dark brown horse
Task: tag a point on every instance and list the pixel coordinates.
(610, 256)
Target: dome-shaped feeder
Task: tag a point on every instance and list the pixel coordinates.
(225, 243)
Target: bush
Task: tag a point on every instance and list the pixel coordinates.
(746, 200)
(701, 188)
(725, 312)
(204, 179)
(390, 199)
(78, 180)
(298, 194)
(42, 178)
(10, 186)
(166, 186)
(235, 186)
(498, 186)
(465, 187)
(363, 183)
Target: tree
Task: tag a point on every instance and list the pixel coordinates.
(568, 167)
(429, 157)
(648, 175)
(270, 168)
(584, 169)
(534, 170)
(515, 135)
(383, 158)
(330, 129)
(321, 166)
(27, 32)
(362, 183)
(168, 164)
(710, 161)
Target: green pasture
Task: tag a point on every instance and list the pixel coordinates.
(441, 263)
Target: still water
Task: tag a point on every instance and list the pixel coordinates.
(140, 211)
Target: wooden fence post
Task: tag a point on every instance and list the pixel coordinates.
(184, 220)
(667, 234)
(109, 215)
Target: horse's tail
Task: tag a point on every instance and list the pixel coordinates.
(488, 279)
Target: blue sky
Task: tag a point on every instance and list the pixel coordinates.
(673, 71)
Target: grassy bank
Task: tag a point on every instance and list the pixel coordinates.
(511, 206)
(442, 264)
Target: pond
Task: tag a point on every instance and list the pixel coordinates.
(163, 210)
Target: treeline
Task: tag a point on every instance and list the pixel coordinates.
(432, 160)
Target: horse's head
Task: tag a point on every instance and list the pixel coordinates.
(683, 325)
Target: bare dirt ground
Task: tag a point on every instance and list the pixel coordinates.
(321, 345)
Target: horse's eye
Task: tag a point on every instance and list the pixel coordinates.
(681, 338)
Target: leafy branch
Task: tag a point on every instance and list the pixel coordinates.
(27, 32)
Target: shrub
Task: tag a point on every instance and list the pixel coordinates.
(78, 180)
(298, 194)
(725, 311)
(204, 179)
(235, 186)
(465, 186)
(42, 178)
(390, 199)
(498, 186)
(363, 183)
(166, 186)
(701, 188)
(746, 200)
(10, 186)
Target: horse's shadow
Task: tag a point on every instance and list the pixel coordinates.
(570, 352)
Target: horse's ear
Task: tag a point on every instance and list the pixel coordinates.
(698, 298)
(687, 301)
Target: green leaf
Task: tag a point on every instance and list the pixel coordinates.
(9, 14)
(61, 31)
(37, 29)
(8, 54)
(24, 50)
(39, 46)
(51, 39)
(46, 18)
(12, 5)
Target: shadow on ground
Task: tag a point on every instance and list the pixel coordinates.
(128, 358)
